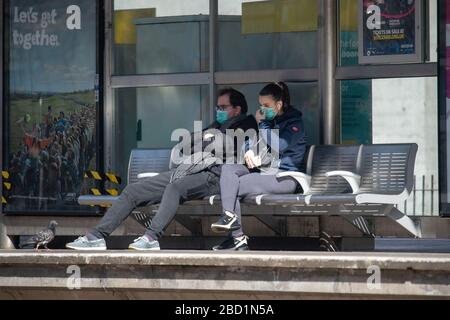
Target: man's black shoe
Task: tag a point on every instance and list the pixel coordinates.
(227, 222)
(237, 244)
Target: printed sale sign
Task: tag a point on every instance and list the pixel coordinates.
(390, 31)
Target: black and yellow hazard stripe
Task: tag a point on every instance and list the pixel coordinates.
(5, 175)
(108, 192)
(101, 179)
(106, 177)
(98, 192)
(7, 186)
(113, 192)
(93, 175)
(113, 178)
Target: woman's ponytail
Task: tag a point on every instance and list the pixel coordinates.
(280, 92)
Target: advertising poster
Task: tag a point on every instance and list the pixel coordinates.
(390, 31)
(51, 102)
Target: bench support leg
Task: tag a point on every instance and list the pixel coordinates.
(403, 220)
(144, 218)
(360, 223)
(276, 225)
(193, 225)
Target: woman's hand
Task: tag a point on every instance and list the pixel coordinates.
(251, 160)
(260, 116)
(249, 157)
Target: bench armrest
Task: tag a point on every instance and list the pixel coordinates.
(352, 178)
(147, 175)
(302, 178)
(91, 200)
(383, 198)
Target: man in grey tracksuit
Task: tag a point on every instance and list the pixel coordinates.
(186, 182)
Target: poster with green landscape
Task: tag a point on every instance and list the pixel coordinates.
(51, 106)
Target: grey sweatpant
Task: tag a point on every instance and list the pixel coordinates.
(236, 182)
(154, 190)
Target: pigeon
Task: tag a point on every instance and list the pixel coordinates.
(43, 237)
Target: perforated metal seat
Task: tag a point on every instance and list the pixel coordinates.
(387, 173)
(147, 161)
(384, 174)
(320, 160)
(331, 158)
(350, 181)
(354, 180)
(383, 178)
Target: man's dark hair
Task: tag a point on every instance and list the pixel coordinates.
(236, 98)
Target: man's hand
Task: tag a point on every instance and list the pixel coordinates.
(251, 160)
(260, 116)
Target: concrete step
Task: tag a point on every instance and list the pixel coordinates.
(221, 275)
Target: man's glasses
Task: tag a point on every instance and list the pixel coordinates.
(223, 107)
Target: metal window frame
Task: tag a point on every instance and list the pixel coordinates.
(213, 35)
(214, 78)
(328, 47)
(444, 201)
(264, 76)
(160, 80)
(108, 108)
(2, 239)
(327, 72)
(387, 71)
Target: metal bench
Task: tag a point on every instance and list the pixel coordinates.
(349, 181)
(383, 177)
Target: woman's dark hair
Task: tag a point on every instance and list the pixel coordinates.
(236, 98)
(280, 92)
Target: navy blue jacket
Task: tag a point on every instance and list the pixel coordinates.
(292, 140)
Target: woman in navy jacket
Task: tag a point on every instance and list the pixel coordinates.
(282, 132)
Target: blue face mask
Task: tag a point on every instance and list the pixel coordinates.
(269, 113)
(221, 116)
